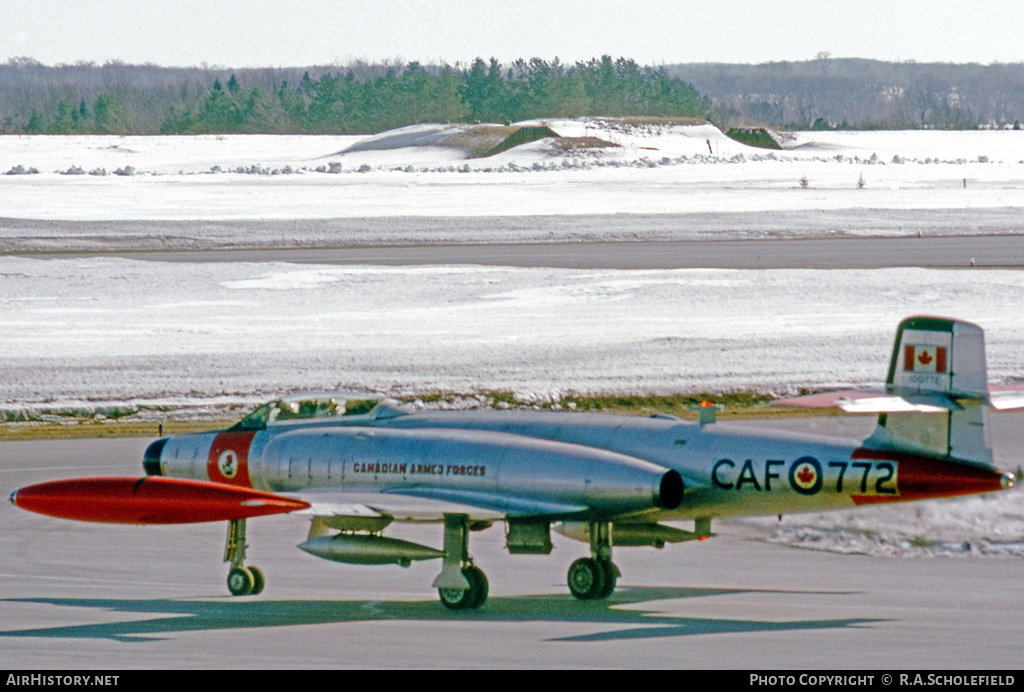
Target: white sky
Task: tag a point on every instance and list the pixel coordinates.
(241, 33)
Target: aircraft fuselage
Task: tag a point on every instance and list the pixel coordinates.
(604, 464)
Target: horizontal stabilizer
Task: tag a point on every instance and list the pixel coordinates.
(875, 401)
(1006, 397)
(881, 401)
(919, 403)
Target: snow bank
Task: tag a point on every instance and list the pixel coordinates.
(979, 526)
(655, 169)
(120, 330)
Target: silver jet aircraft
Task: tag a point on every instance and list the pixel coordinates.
(356, 466)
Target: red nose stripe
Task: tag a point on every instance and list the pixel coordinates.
(149, 500)
(921, 478)
(228, 461)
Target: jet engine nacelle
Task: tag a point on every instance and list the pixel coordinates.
(514, 474)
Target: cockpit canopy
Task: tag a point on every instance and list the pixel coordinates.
(320, 407)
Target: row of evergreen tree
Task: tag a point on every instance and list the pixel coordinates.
(340, 102)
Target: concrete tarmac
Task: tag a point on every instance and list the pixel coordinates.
(91, 596)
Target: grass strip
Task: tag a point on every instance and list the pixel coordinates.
(733, 405)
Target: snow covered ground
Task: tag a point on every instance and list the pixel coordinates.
(112, 333)
(194, 331)
(679, 170)
(117, 330)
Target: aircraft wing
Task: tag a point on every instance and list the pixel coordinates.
(352, 508)
(492, 503)
(429, 504)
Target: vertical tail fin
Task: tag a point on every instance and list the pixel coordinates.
(934, 355)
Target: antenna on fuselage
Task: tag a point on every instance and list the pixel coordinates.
(707, 412)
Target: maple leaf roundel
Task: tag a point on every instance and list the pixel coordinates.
(805, 476)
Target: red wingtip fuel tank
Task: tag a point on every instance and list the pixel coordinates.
(149, 500)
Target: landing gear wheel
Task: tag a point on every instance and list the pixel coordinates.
(611, 575)
(587, 579)
(240, 581)
(258, 582)
(477, 578)
(473, 597)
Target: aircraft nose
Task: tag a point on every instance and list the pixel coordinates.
(151, 459)
(13, 498)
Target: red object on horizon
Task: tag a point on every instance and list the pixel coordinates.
(149, 500)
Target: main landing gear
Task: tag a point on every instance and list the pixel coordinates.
(461, 584)
(595, 576)
(242, 580)
(469, 598)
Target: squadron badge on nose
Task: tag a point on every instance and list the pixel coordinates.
(227, 463)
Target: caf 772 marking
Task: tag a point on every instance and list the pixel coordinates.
(805, 475)
(809, 476)
(357, 467)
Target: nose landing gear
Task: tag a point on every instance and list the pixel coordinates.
(242, 580)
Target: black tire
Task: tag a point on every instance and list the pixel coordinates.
(473, 597)
(586, 579)
(480, 587)
(611, 575)
(258, 581)
(240, 581)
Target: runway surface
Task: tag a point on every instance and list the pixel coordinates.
(83, 596)
(953, 252)
(810, 239)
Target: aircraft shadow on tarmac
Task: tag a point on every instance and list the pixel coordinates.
(204, 615)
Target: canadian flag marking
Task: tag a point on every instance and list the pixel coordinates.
(924, 358)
